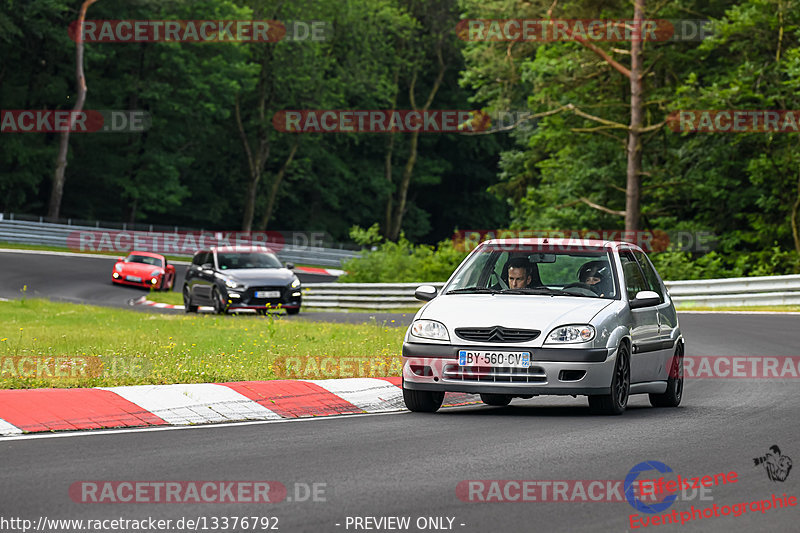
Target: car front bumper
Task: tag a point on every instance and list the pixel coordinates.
(578, 371)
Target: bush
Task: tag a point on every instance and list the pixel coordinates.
(675, 265)
(401, 261)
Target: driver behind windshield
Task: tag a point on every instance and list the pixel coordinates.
(519, 273)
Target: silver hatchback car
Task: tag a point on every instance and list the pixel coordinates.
(525, 317)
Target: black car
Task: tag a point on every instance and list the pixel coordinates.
(229, 278)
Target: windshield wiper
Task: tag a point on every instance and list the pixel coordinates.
(473, 290)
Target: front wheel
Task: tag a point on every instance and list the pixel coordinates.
(674, 393)
(423, 401)
(219, 303)
(187, 301)
(497, 400)
(615, 403)
(292, 310)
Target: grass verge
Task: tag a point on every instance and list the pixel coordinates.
(124, 347)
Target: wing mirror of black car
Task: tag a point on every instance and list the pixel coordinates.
(290, 266)
(645, 299)
(425, 293)
(207, 266)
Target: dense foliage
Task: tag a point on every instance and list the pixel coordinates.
(201, 166)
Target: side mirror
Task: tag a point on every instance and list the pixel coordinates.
(425, 293)
(645, 299)
(290, 266)
(207, 266)
(120, 259)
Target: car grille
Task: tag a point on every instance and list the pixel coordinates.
(487, 374)
(497, 334)
(250, 299)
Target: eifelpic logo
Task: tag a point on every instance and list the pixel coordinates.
(777, 466)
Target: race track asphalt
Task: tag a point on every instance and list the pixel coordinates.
(409, 465)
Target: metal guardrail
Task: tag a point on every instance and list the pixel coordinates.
(50, 234)
(767, 290)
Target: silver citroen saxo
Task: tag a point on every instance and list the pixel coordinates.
(525, 317)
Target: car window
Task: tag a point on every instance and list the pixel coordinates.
(143, 259)
(234, 260)
(554, 269)
(634, 280)
(650, 275)
(199, 258)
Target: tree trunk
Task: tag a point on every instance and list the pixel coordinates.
(273, 192)
(256, 160)
(408, 170)
(634, 174)
(795, 210)
(59, 176)
(387, 162)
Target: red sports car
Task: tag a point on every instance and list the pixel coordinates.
(144, 269)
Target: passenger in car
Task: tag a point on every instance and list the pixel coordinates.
(595, 274)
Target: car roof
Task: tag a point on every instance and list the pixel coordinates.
(563, 244)
(148, 254)
(242, 248)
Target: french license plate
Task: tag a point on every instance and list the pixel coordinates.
(492, 358)
(268, 294)
(134, 278)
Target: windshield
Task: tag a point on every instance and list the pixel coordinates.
(232, 260)
(586, 273)
(144, 259)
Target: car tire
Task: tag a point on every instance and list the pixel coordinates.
(423, 401)
(219, 304)
(187, 301)
(497, 400)
(615, 403)
(292, 311)
(674, 393)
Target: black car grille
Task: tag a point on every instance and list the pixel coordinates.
(250, 295)
(497, 334)
(488, 374)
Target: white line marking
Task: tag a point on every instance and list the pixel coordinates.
(99, 432)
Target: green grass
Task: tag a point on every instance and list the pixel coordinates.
(143, 348)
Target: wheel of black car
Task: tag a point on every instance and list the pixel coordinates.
(422, 401)
(293, 310)
(187, 301)
(219, 303)
(615, 403)
(672, 396)
(498, 400)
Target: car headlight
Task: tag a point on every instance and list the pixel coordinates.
(233, 284)
(295, 283)
(155, 273)
(118, 267)
(571, 334)
(429, 329)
